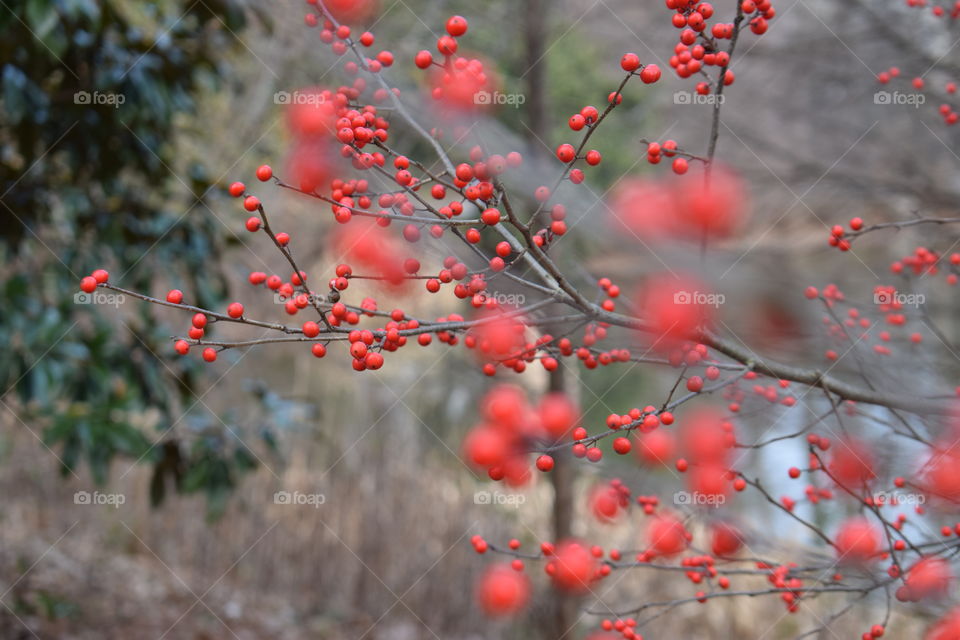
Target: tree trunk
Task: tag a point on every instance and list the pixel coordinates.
(535, 32)
(563, 611)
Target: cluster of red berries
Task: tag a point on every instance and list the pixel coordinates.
(630, 62)
(609, 500)
(887, 301)
(574, 566)
(90, 283)
(626, 627)
(791, 587)
(839, 237)
(358, 128)
(700, 567)
(884, 77)
(939, 11)
(339, 37)
(457, 81)
(923, 261)
(946, 111)
(198, 327)
(657, 151)
(587, 118)
(518, 356)
(648, 504)
(469, 285)
(770, 392)
(696, 49)
(876, 631)
(584, 448)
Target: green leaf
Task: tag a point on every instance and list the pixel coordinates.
(41, 17)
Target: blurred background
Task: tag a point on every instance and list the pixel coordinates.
(194, 544)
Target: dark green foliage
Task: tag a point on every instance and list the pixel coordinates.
(90, 94)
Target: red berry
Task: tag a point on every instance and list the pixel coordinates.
(88, 284)
(209, 354)
(490, 217)
(175, 296)
(264, 172)
(630, 62)
(423, 59)
(457, 26)
(358, 350)
(650, 74)
(501, 590)
(373, 360)
(545, 463)
(447, 45)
